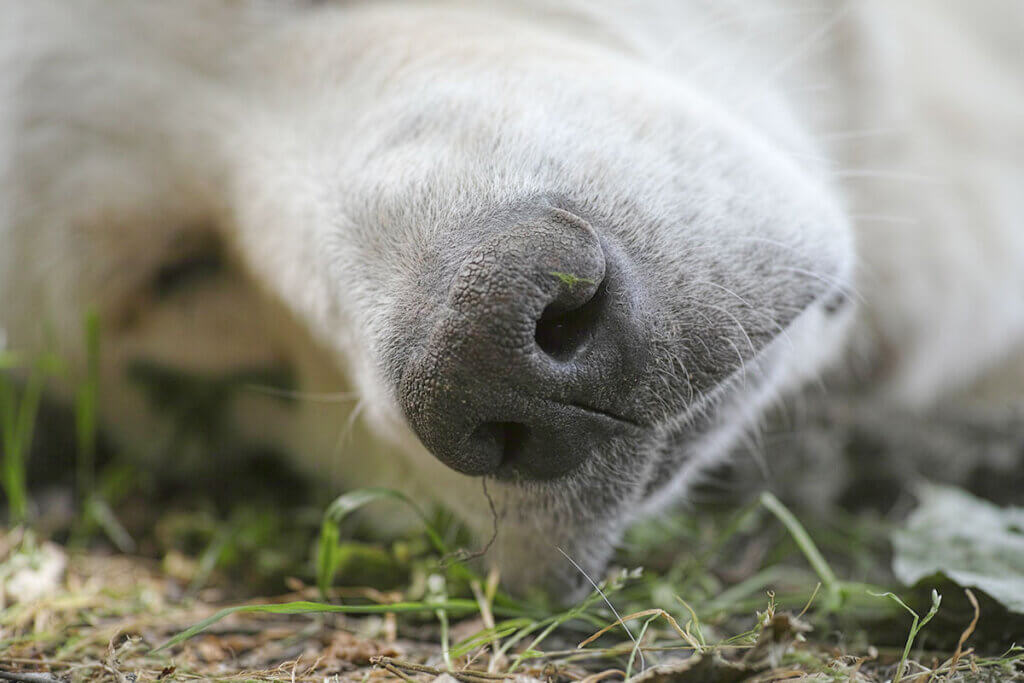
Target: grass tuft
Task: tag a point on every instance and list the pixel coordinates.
(19, 407)
(328, 555)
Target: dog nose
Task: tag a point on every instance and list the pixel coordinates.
(528, 368)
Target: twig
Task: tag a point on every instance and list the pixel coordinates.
(36, 661)
(463, 555)
(966, 634)
(464, 674)
(690, 640)
(601, 675)
(29, 677)
(391, 668)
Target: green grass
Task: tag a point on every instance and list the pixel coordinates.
(570, 280)
(329, 548)
(719, 585)
(86, 410)
(675, 609)
(535, 624)
(915, 628)
(19, 406)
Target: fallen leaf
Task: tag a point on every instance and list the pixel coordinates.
(972, 542)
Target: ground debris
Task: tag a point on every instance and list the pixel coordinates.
(109, 612)
(29, 569)
(699, 668)
(407, 671)
(776, 638)
(778, 634)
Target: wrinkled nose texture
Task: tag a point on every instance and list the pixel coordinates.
(529, 367)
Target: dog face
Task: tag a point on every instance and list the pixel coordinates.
(548, 264)
(538, 259)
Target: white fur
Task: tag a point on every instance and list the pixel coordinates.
(125, 124)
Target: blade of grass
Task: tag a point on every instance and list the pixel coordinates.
(86, 400)
(915, 627)
(522, 633)
(13, 479)
(729, 599)
(305, 607)
(328, 558)
(437, 592)
(551, 623)
(100, 512)
(485, 598)
(636, 647)
(570, 280)
(695, 620)
(208, 560)
(488, 635)
(697, 566)
(833, 589)
(10, 360)
(656, 612)
(18, 412)
(603, 597)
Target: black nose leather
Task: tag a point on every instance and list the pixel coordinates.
(526, 372)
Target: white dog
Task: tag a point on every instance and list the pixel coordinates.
(574, 248)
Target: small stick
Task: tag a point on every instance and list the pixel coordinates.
(394, 670)
(28, 677)
(462, 675)
(966, 634)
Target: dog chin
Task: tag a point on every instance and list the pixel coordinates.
(691, 444)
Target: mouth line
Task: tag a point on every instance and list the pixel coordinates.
(623, 428)
(601, 413)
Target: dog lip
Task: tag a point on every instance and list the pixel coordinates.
(600, 412)
(616, 425)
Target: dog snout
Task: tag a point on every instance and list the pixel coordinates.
(527, 371)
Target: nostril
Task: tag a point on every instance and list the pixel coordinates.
(537, 317)
(562, 333)
(508, 438)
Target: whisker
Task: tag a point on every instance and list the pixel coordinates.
(689, 384)
(726, 311)
(346, 428)
(885, 218)
(833, 282)
(844, 285)
(755, 448)
(801, 50)
(643, 664)
(752, 19)
(743, 365)
(883, 174)
(317, 397)
(804, 47)
(711, 326)
(813, 88)
(753, 309)
(858, 134)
